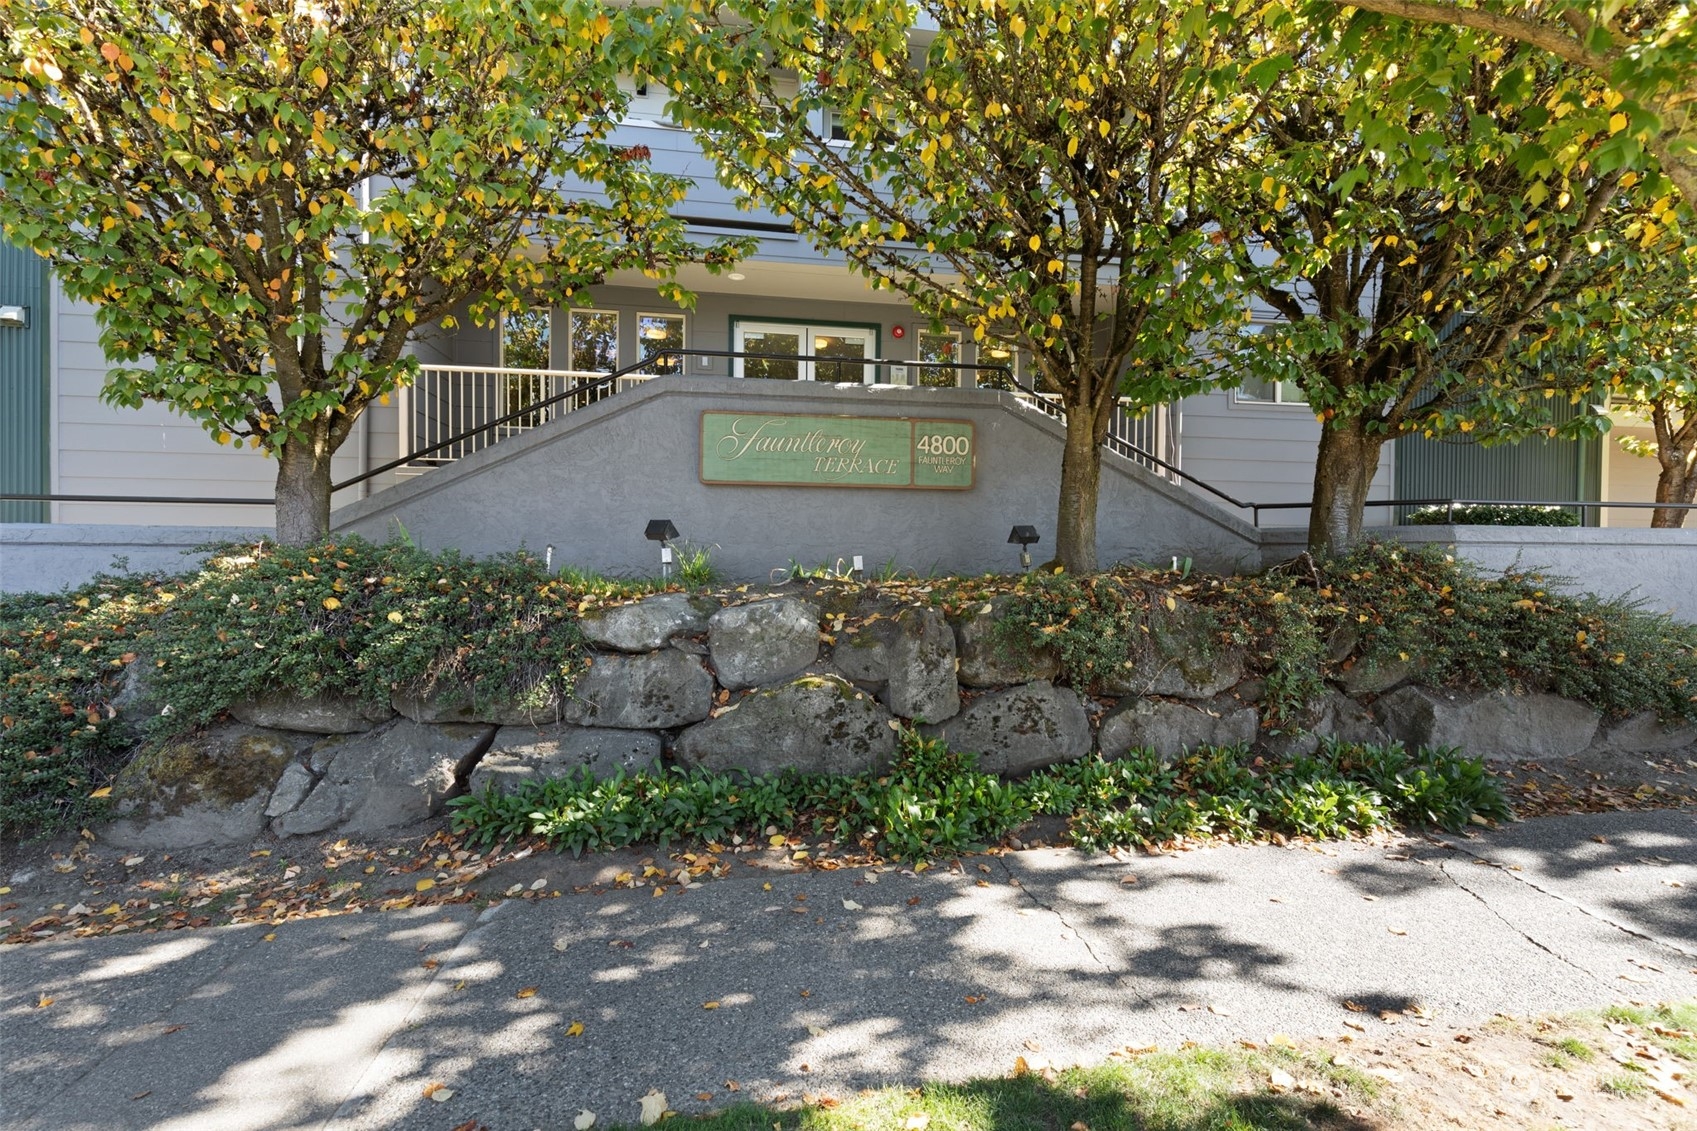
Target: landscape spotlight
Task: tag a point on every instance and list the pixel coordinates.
(1024, 536)
(662, 531)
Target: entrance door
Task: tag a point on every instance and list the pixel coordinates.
(839, 351)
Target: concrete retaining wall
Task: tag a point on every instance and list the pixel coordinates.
(1655, 567)
(45, 557)
(588, 483)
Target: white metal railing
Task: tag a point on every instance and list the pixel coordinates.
(1153, 429)
(447, 400)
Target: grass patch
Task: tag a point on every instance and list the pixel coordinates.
(1669, 1025)
(934, 801)
(1576, 1048)
(1625, 1085)
(1201, 1089)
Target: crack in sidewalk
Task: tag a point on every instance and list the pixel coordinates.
(1503, 919)
(1562, 899)
(1125, 977)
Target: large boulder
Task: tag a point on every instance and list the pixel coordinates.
(211, 787)
(650, 623)
(458, 705)
(816, 724)
(387, 778)
(1180, 656)
(864, 656)
(312, 714)
(1497, 724)
(763, 642)
(921, 667)
(1170, 729)
(986, 661)
(1644, 733)
(522, 754)
(654, 691)
(1021, 729)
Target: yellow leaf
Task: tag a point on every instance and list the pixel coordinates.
(1172, 605)
(427, 883)
(396, 618)
(575, 1029)
(1020, 1067)
(253, 241)
(878, 60)
(1034, 243)
(332, 604)
(709, 1005)
(1072, 146)
(776, 840)
(320, 78)
(1617, 122)
(528, 991)
(103, 791)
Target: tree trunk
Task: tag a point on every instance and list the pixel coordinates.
(303, 490)
(1081, 482)
(1677, 483)
(1343, 472)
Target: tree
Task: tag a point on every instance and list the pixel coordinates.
(1646, 52)
(1414, 236)
(1634, 332)
(1028, 170)
(266, 200)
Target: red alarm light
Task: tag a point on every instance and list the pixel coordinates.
(898, 332)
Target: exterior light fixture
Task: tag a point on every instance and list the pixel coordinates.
(1024, 537)
(662, 531)
(14, 317)
(736, 276)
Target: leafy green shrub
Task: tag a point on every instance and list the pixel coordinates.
(62, 660)
(935, 801)
(1492, 514)
(1381, 605)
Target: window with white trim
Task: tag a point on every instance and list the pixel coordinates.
(657, 332)
(1261, 391)
(593, 341)
(931, 345)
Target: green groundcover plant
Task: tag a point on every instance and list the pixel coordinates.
(934, 801)
(356, 619)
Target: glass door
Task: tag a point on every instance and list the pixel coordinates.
(840, 351)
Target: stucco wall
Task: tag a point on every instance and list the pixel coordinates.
(588, 483)
(44, 558)
(1656, 567)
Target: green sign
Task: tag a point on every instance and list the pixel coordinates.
(777, 449)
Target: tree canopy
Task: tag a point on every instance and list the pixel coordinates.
(266, 200)
(1646, 52)
(1028, 171)
(1415, 237)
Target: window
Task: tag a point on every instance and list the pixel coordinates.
(658, 332)
(1263, 391)
(835, 128)
(995, 353)
(939, 346)
(594, 341)
(1271, 392)
(525, 339)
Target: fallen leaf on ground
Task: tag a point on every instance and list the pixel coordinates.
(575, 1029)
(918, 1122)
(815, 1031)
(653, 1107)
(425, 884)
(528, 991)
(851, 905)
(1278, 1080)
(1020, 1067)
(704, 1096)
(709, 1005)
(585, 1120)
(43, 1002)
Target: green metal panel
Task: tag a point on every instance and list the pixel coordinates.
(1538, 469)
(24, 388)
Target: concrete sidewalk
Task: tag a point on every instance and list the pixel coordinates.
(831, 981)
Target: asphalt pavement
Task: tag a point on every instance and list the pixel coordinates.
(819, 983)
